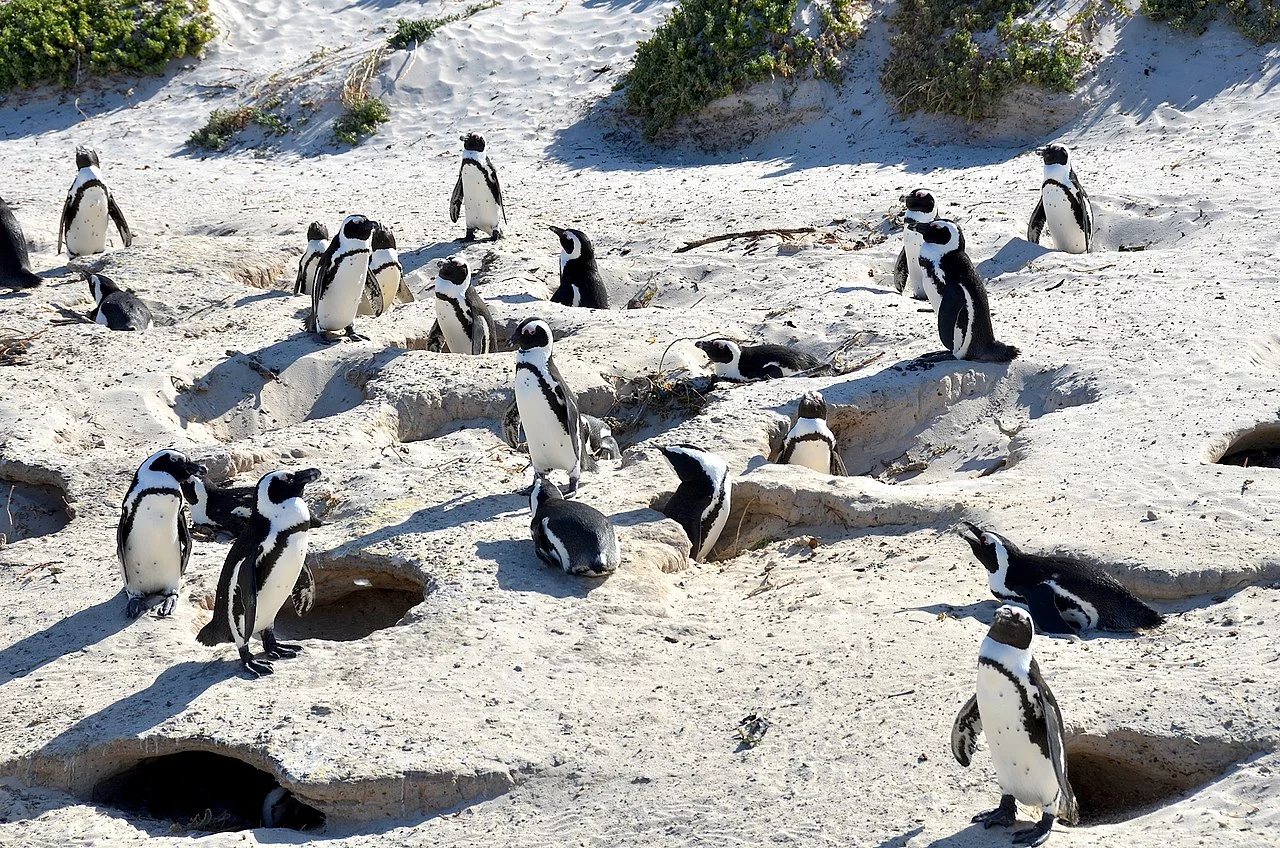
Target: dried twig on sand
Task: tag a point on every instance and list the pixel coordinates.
(793, 231)
(14, 346)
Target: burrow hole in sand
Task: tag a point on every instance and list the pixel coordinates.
(1258, 447)
(1123, 775)
(202, 791)
(28, 510)
(353, 600)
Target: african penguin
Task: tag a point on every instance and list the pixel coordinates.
(701, 502)
(387, 273)
(1063, 205)
(317, 244)
(88, 206)
(265, 567)
(461, 313)
(114, 307)
(580, 283)
(15, 263)
(907, 275)
(342, 279)
(964, 317)
(1024, 729)
(598, 439)
(810, 441)
(745, 364)
(226, 508)
(479, 189)
(153, 541)
(548, 408)
(1063, 595)
(282, 809)
(569, 535)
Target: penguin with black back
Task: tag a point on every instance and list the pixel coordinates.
(964, 316)
(15, 262)
(580, 283)
(748, 363)
(700, 503)
(114, 307)
(571, 535)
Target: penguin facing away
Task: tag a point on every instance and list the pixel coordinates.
(153, 541)
(309, 264)
(1063, 595)
(580, 283)
(548, 407)
(964, 316)
(908, 278)
(570, 535)
(222, 508)
(748, 363)
(342, 279)
(461, 313)
(598, 439)
(1024, 728)
(265, 567)
(15, 262)
(114, 307)
(88, 206)
(479, 190)
(810, 441)
(701, 502)
(386, 272)
(1063, 206)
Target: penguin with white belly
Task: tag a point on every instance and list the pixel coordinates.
(1064, 206)
(478, 190)
(342, 279)
(548, 407)
(88, 207)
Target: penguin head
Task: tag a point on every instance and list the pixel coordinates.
(533, 334)
(280, 486)
(383, 238)
(100, 285)
(813, 406)
(1012, 627)
(945, 234)
(919, 200)
(991, 550)
(281, 809)
(543, 490)
(574, 244)
(725, 351)
(174, 464)
(357, 228)
(317, 232)
(193, 488)
(693, 464)
(473, 141)
(86, 157)
(1055, 154)
(454, 271)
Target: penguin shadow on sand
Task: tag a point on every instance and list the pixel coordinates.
(973, 836)
(76, 632)
(520, 570)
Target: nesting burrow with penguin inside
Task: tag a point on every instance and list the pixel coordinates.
(1256, 447)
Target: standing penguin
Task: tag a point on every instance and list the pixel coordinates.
(114, 307)
(571, 535)
(478, 187)
(461, 312)
(309, 264)
(747, 364)
(547, 406)
(15, 263)
(1020, 716)
(1062, 595)
(387, 273)
(908, 278)
(153, 541)
(580, 283)
(89, 204)
(1063, 205)
(701, 502)
(342, 279)
(964, 317)
(265, 567)
(810, 441)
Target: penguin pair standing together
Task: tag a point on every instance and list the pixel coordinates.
(342, 280)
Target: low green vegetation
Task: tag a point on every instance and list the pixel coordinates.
(225, 124)
(360, 119)
(63, 41)
(411, 33)
(1259, 20)
(708, 49)
(963, 58)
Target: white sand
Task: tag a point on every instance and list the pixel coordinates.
(602, 713)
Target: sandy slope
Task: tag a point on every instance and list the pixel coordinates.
(602, 713)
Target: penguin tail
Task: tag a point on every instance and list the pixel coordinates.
(999, 352)
(1143, 617)
(214, 633)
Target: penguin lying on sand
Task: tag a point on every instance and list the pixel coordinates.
(740, 364)
(1063, 595)
(114, 307)
(571, 535)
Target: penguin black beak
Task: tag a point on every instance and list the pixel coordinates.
(903, 200)
(969, 532)
(559, 231)
(306, 476)
(702, 346)
(196, 470)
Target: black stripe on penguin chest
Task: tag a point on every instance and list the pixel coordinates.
(268, 562)
(460, 311)
(1077, 207)
(1032, 722)
(132, 514)
(75, 202)
(550, 393)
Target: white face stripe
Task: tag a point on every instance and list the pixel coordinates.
(475, 155)
(998, 581)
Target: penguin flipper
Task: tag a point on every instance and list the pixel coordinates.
(244, 594)
(455, 202)
(491, 177)
(404, 294)
(117, 217)
(788, 447)
(1068, 809)
(965, 731)
(373, 292)
(1043, 606)
(62, 222)
(837, 464)
(900, 271)
(184, 537)
(304, 592)
(1036, 225)
(950, 313)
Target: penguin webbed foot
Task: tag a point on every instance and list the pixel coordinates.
(166, 606)
(278, 650)
(1002, 816)
(494, 235)
(1037, 835)
(352, 335)
(258, 668)
(936, 356)
(136, 607)
(470, 236)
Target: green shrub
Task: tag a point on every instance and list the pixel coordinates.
(935, 63)
(1259, 20)
(59, 41)
(708, 49)
(409, 33)
(224, 124)
(360, 119)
